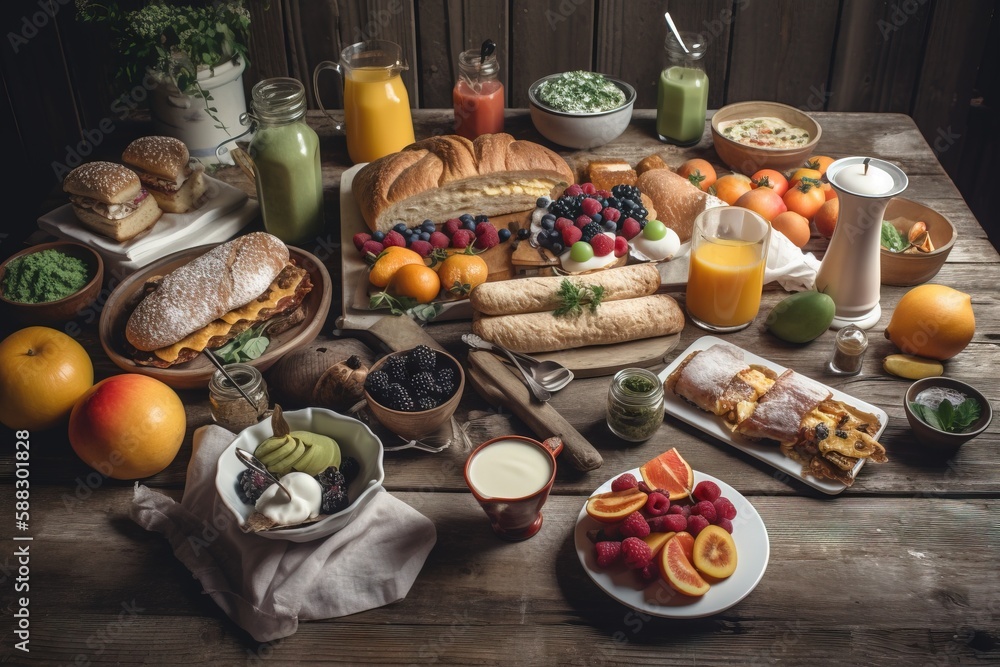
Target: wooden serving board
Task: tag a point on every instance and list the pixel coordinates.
(599, 360)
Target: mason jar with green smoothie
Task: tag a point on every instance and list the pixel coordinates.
(285, 154)
(682, 94)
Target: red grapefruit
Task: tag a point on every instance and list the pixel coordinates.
(615, 505)
(677, 571)
(670, 472)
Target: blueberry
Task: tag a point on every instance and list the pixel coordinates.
(427, 226)
(504, 234)
(425, 236)
(399, 227)
(482, 218)
(543, 240)
(610, 225)
(469, 224)
(542, 202)
(557, 248)
(407, 233)
(378, 236)
(549, 216)
(466, 217)
(597, 217)
(523, 233)
(548, 223)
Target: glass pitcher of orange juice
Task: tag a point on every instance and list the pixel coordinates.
(376, 106)
(726, 269)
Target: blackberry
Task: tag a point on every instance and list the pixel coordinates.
(395, 367)
(422, 384)
(334, 500)
(426, 403)
(626, 192)
(350, 468)
(331, 477)
(377, 383)
(397, 398)
(421, 358)
(251, 485)
(590, 230)
(445, 376)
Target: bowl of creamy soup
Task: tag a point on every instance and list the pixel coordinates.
(580, 109)
(749, 136)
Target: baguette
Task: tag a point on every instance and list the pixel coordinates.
(613, 322)
(533, 295)
(443, 177)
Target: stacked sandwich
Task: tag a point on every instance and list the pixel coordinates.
(828, 437)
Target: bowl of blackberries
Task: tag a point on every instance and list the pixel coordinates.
(414, 392)
(321, 469)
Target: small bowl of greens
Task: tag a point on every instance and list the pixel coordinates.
(945, 413)
(51, 283)
(580, 109)
(916, 241)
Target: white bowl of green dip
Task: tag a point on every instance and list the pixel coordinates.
(580, 109)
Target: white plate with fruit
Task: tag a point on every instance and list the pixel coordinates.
(675, 562)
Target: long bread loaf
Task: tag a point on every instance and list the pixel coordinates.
(443, 177)
(533, 295)
(613, 322)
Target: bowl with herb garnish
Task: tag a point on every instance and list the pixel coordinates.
(945, 413)
(580, 109)
(51, 283)
(916, 241)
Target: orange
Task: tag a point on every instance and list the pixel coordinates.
(669, 472)
(731, 187)
(763, 201)
(794, 226)
(932, 321)
(463, 272)
(614, 506)
(415, 281)
(826, 217)
(389, 261)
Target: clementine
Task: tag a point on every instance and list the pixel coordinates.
(932, 321)
(463, 272)
(389, 261)
(415, 281)
(794, 226)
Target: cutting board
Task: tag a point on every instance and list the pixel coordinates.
(598, 360)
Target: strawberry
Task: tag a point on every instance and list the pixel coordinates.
(462, 238)
(621, 246)
(630, 228)
(440, 240)
(571, 235)
(394, 238)
(360, 238)
(603, 245)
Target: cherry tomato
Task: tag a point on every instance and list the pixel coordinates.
(801, 173)
(806, 198)
(731, 187)
(819, 163)
(769, 178)
(700, 172)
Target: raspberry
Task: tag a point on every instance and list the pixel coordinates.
(583, 220)
(373, 247)
(360, 238)
(635, 525)
(621, 246)
(636, 553)
(725, 524)
(611, 213)
(707, 491)
(682, 510)
(590, 206)
(674, 523)
(422, 248)
(724, 508)
(608, 553)
(440, 240)
(651, 572)
(571, 235)
(486, 236)
(657, 504)
(705, 509)
(603, 245)
(622, 482)
(462, 238)
(642, 486)
(696, 524)
(562, 223)
(451, 226)
(630, 228)
(394, 238)
(573, 190)
(603, 194)
(588, 188)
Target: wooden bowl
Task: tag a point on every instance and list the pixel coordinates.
(65, 309)
(906, 269)
(748, 159)
(936, 440)
(196, 373)
(414, 425)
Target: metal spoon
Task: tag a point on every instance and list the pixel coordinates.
(252, 462)
(550, 374)
(540, 392)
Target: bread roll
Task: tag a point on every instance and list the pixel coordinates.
(532, 295)
(614, 322)
(122, 229)
(443, 177)
(649, 163)
(677, 202)
(206, 288)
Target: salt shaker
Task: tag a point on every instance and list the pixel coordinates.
(848, 351)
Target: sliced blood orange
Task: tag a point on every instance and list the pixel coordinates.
(670, 472)
(686, 541)
(656, 541)
(677, 570)
(615, 505)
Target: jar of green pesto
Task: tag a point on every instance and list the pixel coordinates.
(635, 404)
(285, 154)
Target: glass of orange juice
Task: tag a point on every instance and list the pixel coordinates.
(726, 269)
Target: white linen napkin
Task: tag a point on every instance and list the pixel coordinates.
(267, 586)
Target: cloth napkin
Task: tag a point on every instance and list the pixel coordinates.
(267, 586)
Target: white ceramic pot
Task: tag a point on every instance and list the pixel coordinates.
(187, 118)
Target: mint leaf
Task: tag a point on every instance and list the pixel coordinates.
(966, 414)
(892, 240)
(253, 348)
(946, 415)
(927, 415)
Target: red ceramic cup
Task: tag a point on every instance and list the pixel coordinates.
(511, 477)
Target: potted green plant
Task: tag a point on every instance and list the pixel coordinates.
(190, 57)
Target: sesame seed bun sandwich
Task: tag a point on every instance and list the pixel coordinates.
(165, 169)
(110, 200)
(215, 297)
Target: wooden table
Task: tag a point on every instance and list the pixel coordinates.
(900, 568)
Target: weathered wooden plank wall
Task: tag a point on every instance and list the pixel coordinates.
(919, 57)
